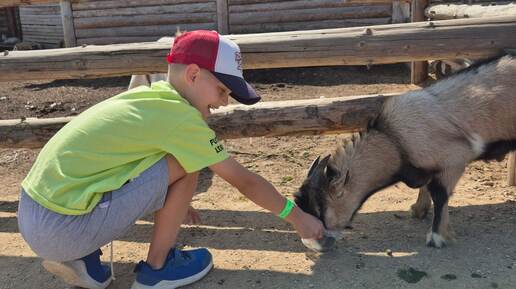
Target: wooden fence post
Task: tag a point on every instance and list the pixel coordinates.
(511, 169)
(222, 16)
(12, 24)
(418, 69)
(68, 27)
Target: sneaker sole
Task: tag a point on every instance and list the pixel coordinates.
(74, 274)
(174, 284)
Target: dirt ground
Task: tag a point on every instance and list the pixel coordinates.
(254, 249)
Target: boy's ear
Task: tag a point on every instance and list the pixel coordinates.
(191, 73)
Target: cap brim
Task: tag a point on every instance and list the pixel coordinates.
(241, 91)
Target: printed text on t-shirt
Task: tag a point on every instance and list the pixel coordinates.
(218, 147)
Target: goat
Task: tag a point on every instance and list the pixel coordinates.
(423, 138)
(147, 79)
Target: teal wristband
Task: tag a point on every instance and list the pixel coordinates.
(289, 205)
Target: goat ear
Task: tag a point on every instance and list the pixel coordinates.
(321, 167)
(313, 166)
(317, 174)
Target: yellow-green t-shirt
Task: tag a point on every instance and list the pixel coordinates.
(114, 141)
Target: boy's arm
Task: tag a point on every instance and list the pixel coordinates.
(262, 193)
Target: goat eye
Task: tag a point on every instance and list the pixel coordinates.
(346, 179)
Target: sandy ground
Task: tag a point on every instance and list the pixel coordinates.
(254, 249)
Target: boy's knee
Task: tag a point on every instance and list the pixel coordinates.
(175, 170)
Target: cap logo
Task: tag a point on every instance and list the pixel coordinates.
(238, 59)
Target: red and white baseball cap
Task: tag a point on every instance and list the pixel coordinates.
(217, 54)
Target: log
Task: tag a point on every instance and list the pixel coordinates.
(418, 69)
(102, 40)
(453, 11)
(42, 20)
(511, 169)
(70, 39)
(12, 3)
(133, 31)
(144, 10)
(115, 40)
(222, 17)
(41, 28)
(446, 39)
(247, 2)
(42, 16)
(293, 117)
(143, 20)
(38, 10)
(290, 26)
(99, 5)
(289, 5)
(43, 37)
(315, 14)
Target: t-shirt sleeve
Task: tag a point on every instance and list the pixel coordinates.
(194, 144)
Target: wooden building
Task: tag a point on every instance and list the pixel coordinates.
(125, 21)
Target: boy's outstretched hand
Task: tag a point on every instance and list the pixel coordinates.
(306, 225)
(263, 193)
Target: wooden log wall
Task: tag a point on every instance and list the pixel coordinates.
(123, 21)
(42, 23)
(273, 15)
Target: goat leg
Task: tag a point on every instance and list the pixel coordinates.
(420, 208)
(441, 188)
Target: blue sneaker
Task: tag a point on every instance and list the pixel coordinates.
(86, 272)
(181, 268)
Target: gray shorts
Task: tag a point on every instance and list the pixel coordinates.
(58, 237)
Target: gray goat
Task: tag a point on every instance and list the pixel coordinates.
(423, 138)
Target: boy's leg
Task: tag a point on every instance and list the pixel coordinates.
(65, 241)
(168, 219)
(176, 267)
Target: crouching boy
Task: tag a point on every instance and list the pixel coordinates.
(139, 153)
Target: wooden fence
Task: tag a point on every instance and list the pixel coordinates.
(330, 115)
(446, 39)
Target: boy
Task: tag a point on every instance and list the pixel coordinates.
(137, 153)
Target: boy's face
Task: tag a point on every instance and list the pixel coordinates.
(208, 92)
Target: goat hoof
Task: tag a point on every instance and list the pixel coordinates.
(418, 212)
(435, 240)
